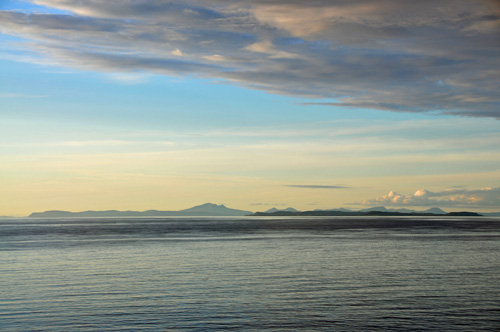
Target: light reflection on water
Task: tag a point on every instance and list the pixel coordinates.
(307, 274)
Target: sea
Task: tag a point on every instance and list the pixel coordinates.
(250, 274)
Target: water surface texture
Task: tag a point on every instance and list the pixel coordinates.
(250, 274)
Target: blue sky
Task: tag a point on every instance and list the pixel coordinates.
(165, 105)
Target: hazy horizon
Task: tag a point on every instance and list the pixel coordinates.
(164, 105)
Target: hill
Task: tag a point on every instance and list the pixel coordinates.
(288, 209)
(367, 212)
(207, 209)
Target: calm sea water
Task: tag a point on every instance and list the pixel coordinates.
(250, 274)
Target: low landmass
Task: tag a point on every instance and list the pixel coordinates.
(207, 209)
(288, 209)
(374, 211)
(370, 213)
(215, 210)
(464, 213)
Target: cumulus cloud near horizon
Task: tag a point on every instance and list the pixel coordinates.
(437, 56)
(457, 198)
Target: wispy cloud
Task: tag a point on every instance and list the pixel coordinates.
(20, 96)
(313, 186)
(129, 78)
(267, 204)
(403, 56)
(86, 143)
(458, 198)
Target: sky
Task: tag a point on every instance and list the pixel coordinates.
(163, 104)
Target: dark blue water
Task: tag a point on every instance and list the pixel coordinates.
(250, 274)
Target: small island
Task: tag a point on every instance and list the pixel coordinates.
(375, 211)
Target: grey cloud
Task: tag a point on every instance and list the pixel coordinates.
(116, 61)
(458, 198)
(88, 59)
(53, 22)
(134, 9)
(437, 56)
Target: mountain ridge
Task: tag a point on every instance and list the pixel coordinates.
(210, 209)
(373, 211)
(288, 209)
(207, 209)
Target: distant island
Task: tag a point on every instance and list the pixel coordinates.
(354, 213)
(207, 210)
(214, 210)
(375, 211)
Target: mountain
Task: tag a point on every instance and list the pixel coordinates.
(207, 209)
(434, 210)
(383, 209)
(375, 209)
(404, 211)
(288, 209)
(343, 210)
(335, 210)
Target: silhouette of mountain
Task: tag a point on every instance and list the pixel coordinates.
(435, 210)
(288, 209)
(207, 209)
(336, 209)
(374, 211)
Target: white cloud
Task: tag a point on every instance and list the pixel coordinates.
(216, 58)
(129, 78)
(457, 198)
(267, 47)
(177, 52)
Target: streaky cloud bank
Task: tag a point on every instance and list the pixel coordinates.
(437, 56)
(485, 197)
(313, 186)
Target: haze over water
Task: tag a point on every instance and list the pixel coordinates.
(249, 274)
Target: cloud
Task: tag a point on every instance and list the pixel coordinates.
(19, 96)
(267, 204)
(177, 52)
(458, 198)
(312, 186)
(129, 78)
(398, 55)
